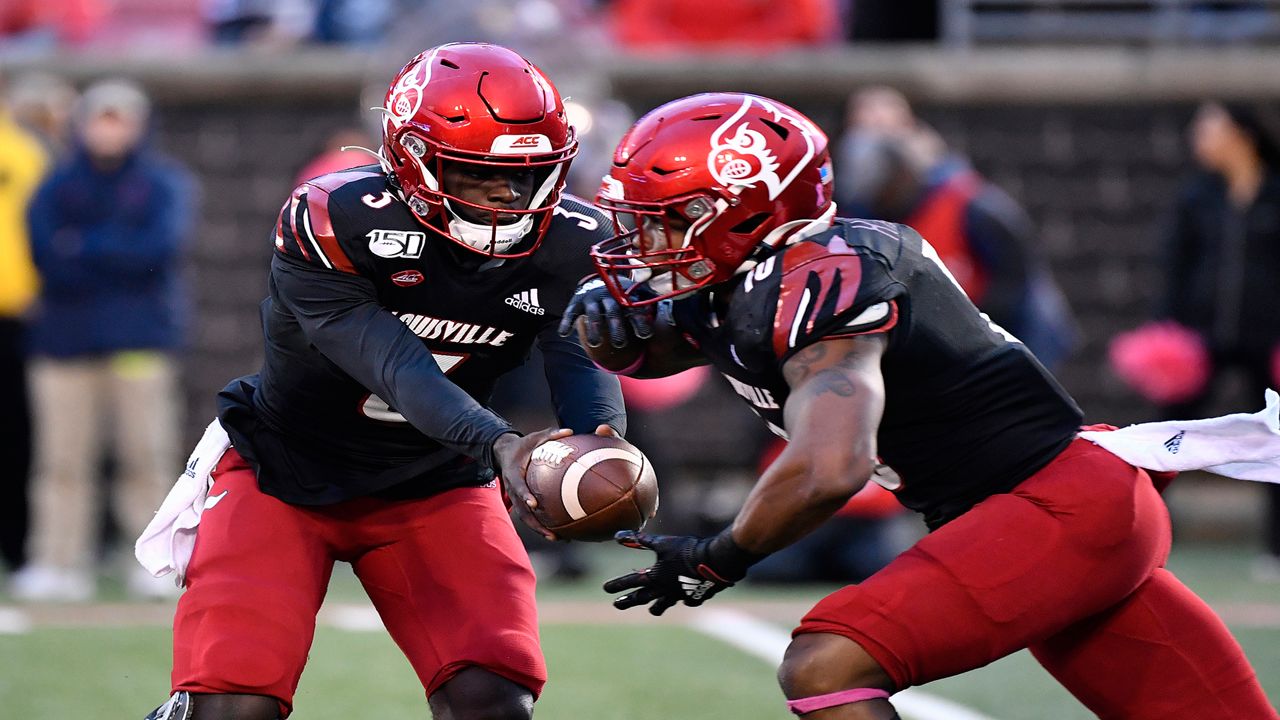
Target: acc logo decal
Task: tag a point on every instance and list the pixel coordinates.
(396, 243)
(520, 144)
(407, 278)
(740, 155)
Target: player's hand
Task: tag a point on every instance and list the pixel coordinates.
(607, 431)
(688, 569)
(512, 452)
(601, 312)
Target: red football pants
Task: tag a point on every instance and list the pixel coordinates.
(447, 574)
(1069, 564)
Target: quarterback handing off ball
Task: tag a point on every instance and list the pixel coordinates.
(589, 487)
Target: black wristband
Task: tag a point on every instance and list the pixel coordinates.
(729, 558)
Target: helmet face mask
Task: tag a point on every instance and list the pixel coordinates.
(704, 186)
(484, 106)
(653, 244)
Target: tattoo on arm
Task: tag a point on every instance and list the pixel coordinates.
(803, 362)
(832, 381)
(833, 367)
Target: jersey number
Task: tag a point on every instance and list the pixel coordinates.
(375, 408)
(379, 202)
(928, 251)
(586, 222)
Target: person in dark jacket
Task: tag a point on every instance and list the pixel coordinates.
(1222, 255)
(108, 230)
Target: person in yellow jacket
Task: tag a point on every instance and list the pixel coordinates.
(22, 165)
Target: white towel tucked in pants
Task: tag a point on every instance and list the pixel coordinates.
(1245, 446)
(166, 544)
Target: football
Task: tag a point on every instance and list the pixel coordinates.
(589, 487)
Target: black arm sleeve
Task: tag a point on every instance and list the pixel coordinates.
(340, 316)
(584, 396)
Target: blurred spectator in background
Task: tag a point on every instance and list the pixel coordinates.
(1222, 247)
(42, 24)
(42, 103)
(1218, 314)
(891, 167)
(22, 163)
(259, 22)
(883, 110)
(723, 24)
(108, 228)
(337, 154)
(355, 22)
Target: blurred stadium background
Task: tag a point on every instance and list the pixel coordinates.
(1078, 109)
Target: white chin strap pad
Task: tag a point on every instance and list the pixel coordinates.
(487, 238)
(504, 237)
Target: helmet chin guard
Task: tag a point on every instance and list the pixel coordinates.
(481, 105)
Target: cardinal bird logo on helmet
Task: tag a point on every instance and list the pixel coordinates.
(740, 155)
(406, 97)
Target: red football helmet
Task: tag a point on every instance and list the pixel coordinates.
(741, 174)
(484, 105)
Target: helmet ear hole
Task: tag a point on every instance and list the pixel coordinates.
(750, 225)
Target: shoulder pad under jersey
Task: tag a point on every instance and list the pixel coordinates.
(830, 291)
(305, 228)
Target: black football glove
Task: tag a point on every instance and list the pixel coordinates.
(593, 301)
(688, 569)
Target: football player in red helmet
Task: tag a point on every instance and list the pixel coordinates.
(399, 293)
(739, 176)
(851, 338)
(461, 114)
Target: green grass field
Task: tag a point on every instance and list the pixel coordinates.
(601, 668)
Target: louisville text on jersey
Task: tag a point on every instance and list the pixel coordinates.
(453, 331)
(757, 396)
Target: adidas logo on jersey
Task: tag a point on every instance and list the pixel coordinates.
(527, 300)
(1174, 444)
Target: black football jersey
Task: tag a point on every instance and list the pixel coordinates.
(968, 410)
(384, 340)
